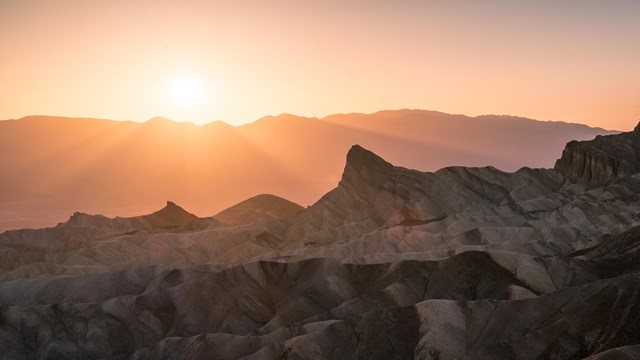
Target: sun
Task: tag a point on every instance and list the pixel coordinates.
(186, 91)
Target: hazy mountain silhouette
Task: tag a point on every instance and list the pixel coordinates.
(52, 166)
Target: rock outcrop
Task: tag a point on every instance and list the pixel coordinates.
(602, 158)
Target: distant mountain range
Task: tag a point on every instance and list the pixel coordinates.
(393, 263)
(51, 167)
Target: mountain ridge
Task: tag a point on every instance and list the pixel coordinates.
(323, 118)
(114, 168)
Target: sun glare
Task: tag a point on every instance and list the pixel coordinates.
(186, 91)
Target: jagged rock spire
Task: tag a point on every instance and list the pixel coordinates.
(364, 165)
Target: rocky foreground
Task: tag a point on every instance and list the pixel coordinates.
(392, 264)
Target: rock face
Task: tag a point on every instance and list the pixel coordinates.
(471, 263)
(603, 157)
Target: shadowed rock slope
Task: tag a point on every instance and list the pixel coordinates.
(471, 263)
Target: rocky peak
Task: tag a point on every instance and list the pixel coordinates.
(601, 158)
(172, 205)
(78, 218)
(364, 165)
(174, 212)
(82, 219)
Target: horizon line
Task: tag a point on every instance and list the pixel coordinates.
(286, 114)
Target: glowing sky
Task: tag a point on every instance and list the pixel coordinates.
(191, 60)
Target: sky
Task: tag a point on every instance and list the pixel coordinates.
(237, 61)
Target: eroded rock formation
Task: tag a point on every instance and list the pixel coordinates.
(469, 263)
(603, 157)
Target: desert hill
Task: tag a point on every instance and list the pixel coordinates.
(462, 262)
(261, 207)
(53, 166)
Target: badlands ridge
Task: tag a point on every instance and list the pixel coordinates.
(463, 262)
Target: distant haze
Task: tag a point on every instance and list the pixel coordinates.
(51, 167)
(199, 61)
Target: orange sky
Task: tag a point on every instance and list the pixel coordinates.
(572, 60)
